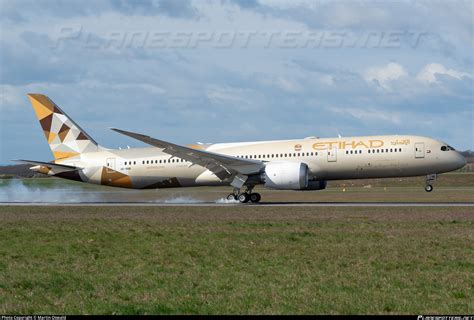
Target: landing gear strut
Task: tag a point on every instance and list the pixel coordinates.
(244, 197)
(429, 180)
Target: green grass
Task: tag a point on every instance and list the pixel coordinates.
(211, 260)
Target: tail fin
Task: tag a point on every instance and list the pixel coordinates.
(65, 138)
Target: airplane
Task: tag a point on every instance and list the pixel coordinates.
(304, 164)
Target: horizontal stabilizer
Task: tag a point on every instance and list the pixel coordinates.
(50, 165)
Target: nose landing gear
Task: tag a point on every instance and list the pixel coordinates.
(429, 180)
(244, 197)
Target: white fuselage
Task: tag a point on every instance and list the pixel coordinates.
(326, 159)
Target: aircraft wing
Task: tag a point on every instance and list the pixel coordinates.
(50, 165)
(221, 165)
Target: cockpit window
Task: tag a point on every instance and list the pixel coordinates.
(447, 148)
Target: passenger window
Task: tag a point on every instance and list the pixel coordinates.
(400, 150)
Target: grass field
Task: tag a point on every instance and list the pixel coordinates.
(236, 259)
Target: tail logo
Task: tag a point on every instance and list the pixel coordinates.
(65, 138)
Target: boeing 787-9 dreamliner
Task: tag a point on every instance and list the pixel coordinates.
(304, 164)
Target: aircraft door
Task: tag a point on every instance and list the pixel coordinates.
(419, 150)
(332, 154)
(110, 165)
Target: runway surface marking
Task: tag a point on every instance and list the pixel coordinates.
(264, 204)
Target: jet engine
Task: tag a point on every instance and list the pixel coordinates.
(316, 185)
(286, 176)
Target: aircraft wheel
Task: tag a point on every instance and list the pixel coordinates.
(255, 197)
(231, 197)
(429, 188)
(244, 197)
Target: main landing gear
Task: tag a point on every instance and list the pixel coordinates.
(244, 197)
(429, 180)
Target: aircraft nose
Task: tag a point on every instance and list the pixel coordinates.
(461, 161)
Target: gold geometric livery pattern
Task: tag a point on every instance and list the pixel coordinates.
(65, 138)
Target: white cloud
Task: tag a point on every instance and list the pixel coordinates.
(289, 85)
(429, 72)
(227, 95)
(327, 79)
(369, 114)
(178, 92)
(384, 75)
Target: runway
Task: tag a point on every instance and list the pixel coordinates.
(230, 204)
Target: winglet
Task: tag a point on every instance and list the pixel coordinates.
(134, 135)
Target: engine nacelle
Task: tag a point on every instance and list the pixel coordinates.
(286, 176)
(316, 185)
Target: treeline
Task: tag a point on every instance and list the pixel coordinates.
(17, 171)
(469, 155)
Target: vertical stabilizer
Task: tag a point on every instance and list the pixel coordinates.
(65, 138)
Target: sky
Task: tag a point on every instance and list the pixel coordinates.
(225, 71)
